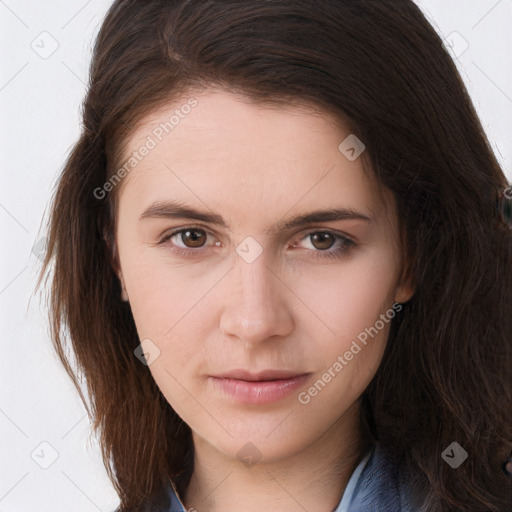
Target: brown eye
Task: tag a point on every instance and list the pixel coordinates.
(322, 241)
(193, 237)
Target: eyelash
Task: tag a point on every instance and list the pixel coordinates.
(345, 244)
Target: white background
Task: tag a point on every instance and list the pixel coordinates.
(40, 103)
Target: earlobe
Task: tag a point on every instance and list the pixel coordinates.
(407, 284)
(405, 291)
(404, 296)
(124, 293)
(112, 247)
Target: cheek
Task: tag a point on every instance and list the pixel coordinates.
(350, 300)
(173, 307)
(350, 297)
(162, 294)
(351, 303)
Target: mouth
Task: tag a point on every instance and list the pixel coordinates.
(264, 387)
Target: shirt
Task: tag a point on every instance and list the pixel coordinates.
(374, 486)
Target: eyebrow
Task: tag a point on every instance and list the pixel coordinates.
(178, 210)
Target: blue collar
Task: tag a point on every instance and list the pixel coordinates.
(375, 485)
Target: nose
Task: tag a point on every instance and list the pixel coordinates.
(257, 307)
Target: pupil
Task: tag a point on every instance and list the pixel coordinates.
(323, 240)
(194, 238)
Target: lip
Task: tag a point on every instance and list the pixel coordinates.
(264, 387)
(264, 375)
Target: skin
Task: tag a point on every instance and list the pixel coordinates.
(291, 308)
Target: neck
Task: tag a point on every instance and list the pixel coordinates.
(314, 478)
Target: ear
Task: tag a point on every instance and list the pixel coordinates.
(116, 266)
(119, 272)
(404, 292)
(406, 286)
(124, 293)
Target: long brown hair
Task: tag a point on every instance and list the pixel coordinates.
(380, 66)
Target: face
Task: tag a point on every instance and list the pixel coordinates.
(274, 252)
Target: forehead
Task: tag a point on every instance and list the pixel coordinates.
(225, 150)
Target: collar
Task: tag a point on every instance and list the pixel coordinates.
(375, 485)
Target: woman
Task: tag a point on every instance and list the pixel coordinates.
(278, 257)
